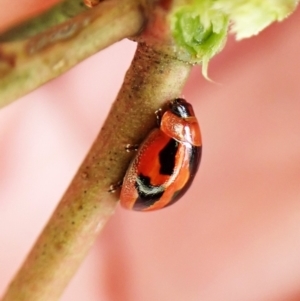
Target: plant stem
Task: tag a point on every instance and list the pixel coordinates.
(57, 14)
(152, 79)
(27, 64)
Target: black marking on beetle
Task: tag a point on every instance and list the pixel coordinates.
(195, 158)
(181, 108)
(167, 157)
(148, 194)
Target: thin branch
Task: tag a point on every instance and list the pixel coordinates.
(55, 15)
(25, 65)
(152, 79)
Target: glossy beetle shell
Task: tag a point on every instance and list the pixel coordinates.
(166, 162)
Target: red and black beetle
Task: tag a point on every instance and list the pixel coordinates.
(166, 162)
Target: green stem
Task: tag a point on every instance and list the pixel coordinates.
(56, 15)
(152, 79)
(25, 65)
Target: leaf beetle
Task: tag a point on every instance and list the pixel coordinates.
(166, 162)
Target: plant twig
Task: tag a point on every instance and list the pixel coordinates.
(152, 79)
(25, 65)
(57, 14)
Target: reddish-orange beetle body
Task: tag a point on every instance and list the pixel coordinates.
(166, 162)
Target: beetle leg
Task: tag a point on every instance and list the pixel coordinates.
(158, 114)
(113, 187)
(131, 147)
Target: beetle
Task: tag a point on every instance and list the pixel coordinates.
(166, 162)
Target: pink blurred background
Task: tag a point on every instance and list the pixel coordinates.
(234, 236)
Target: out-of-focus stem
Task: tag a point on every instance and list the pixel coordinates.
(27, 64)
(152, 79)
(57, 14)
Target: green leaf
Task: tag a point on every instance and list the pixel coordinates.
(200, 28)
